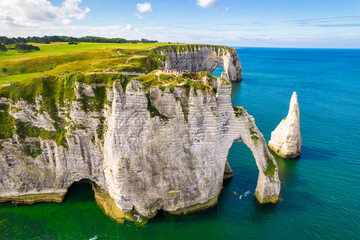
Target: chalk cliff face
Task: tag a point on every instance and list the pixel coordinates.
(204, 58)
(286, 138)
(174, 161)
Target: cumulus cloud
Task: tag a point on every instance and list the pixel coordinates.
(206, 3)
(31, 13)
(144, 7)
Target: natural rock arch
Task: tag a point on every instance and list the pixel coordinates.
(244, 129)
(268, 183)
(205, 58)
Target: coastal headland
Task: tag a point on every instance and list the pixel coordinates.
(146, 124)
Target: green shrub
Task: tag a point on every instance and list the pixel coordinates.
(238, 112)
(33, 149)
(154, 112)
(270, 170)
(7, 128)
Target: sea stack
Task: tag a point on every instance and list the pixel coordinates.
(286, 138)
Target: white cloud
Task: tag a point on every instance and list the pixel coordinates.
(144, 7)
(32, 13)
(206, 3)
(139, 16)
(71, 9)
(128, 27)
(66, 21)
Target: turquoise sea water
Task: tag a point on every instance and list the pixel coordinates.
(321, 190)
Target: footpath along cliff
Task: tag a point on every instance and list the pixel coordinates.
(146, 144)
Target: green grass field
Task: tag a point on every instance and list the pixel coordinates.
(17, 78)
(61, 48)
(61, 58)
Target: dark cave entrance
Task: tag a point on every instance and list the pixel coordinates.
(80, 191)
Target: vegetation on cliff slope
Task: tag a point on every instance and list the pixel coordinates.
(270, 170)
(55, 95)
(194, 80)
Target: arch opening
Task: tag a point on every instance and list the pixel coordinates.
(244, 169)
(218, 71)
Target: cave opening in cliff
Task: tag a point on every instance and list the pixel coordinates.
(218, 71)
(80, 191)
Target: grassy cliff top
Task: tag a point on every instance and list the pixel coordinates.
(61, 58)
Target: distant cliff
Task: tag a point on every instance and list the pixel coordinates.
(195, 58)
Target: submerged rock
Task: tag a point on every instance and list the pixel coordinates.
(286, 138)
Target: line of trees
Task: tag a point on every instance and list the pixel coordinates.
(48, 39)
(23, 47)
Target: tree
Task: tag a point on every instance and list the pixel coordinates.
(3, 48)
(20, 47)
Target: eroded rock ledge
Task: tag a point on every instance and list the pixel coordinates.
(145, 147)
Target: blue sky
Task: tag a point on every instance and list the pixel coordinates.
(257, 23)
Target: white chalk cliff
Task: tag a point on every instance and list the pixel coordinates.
(144, 149)
(286, 138)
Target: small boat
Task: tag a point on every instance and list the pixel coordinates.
(93, 238)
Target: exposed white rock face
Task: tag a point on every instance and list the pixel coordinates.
(286, 138)
(174, 161)
(205, 59)
(146, 158)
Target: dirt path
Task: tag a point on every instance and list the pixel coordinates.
(136, 56)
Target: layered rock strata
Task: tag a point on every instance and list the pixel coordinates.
(286, 138)
(145, 150)
(197, 58)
